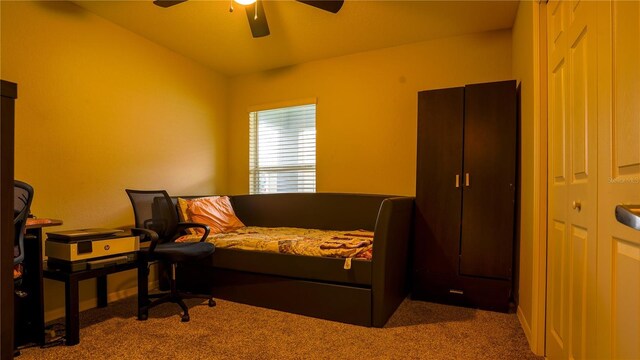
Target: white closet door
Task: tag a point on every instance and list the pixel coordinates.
(573, 206)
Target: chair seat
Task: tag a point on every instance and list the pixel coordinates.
(179, 252)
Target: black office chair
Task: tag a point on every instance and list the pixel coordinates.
(22, 198)
(157, 221)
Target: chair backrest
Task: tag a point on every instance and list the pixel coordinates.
(154, 210)
(22, 198)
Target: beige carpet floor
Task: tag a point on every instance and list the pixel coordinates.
(418, 330)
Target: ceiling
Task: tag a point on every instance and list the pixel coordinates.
(208, 33)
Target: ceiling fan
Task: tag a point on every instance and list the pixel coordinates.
(256, 15)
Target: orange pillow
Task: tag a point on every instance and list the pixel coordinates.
(215, 211)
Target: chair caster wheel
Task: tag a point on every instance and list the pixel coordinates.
(212, 303)
(185, 318)
(143, 316)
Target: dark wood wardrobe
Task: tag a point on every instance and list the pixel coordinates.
(465, 195)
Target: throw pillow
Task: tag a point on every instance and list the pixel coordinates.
(216, 212)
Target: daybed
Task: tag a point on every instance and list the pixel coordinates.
(366, 294)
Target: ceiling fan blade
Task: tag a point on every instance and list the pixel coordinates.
(257, 21)
(327, 5)
(167, 3)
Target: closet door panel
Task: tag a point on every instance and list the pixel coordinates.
(438, 197)
(486, 247)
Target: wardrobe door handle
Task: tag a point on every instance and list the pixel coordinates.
(457, 180)
(466, 179)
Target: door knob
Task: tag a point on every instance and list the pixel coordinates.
(576, 205)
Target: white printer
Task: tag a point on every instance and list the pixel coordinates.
(80, 249)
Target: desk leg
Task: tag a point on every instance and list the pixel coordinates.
(102, 290)
(33, 306)
(143, 288)
(72, 312)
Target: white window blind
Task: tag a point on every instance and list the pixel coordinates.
(282, 150)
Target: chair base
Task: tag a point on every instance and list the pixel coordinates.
(174, 295)
(176, 298)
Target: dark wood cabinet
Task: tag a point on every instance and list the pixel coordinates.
(465, 195)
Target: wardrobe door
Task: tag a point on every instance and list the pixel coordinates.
(438, 192)
(489, 180)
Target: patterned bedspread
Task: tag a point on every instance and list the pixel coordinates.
(283, 240)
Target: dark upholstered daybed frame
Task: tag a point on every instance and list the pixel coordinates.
(367, 294)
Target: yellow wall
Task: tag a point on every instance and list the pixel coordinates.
(101, 109)
(367, 107)
(526, 70)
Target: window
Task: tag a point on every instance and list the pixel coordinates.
(282, 150)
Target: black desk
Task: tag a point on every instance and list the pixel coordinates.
(72, 302)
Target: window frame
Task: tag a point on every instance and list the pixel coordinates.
(254, 152)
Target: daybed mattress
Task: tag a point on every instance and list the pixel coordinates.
(258, 250)
(295, 241)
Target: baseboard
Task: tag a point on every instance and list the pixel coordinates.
(58, 313)
(526, 328)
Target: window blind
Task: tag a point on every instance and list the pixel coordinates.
(282, 150)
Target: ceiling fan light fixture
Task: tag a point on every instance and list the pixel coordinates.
(245, 2)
